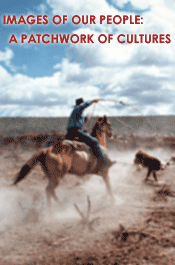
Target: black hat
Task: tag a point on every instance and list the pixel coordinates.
(79, 101)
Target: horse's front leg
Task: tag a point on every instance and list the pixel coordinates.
(149, 172)
(50, 191)
(155, 176)
(106, 179)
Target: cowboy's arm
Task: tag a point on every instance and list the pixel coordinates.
(86, 104)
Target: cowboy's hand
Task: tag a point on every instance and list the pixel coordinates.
(96, 100)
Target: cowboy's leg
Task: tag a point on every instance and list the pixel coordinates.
(71, 134)
(94, 145)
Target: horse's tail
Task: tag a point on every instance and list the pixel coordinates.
(28, 166)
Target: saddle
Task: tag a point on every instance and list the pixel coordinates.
(79, 146)
(74, 145)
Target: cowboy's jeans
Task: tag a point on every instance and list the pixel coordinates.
(90, 141)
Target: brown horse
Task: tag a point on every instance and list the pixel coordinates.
(71, 157)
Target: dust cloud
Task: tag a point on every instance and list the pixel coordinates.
(27, 225)
(19, 206)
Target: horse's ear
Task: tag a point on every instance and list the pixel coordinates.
(105, 119)
(99, 119)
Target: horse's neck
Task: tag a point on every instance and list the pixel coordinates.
(67, 160)
(102, 139)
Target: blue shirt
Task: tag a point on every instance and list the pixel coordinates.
(77, 119)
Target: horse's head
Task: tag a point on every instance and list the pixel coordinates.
(56, 142)
(102, 125)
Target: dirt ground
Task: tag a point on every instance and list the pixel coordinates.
(139, 228)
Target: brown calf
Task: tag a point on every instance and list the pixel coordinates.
(152, 163)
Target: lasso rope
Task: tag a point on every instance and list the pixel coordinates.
(135, 109)
(122, 122)
(89, 116)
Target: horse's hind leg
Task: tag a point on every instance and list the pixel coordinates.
(50, 191)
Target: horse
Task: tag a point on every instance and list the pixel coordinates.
(152, 163)
(71, 157)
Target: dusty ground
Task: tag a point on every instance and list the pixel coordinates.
(138, 229)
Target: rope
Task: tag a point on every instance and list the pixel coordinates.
(122, 122)
(89, 116)
(87, 126)
(135, 109)
(149, 121)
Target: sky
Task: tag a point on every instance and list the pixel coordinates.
(43, 80)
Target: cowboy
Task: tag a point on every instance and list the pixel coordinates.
(74, 129)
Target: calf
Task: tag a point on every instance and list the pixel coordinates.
(152, 163)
